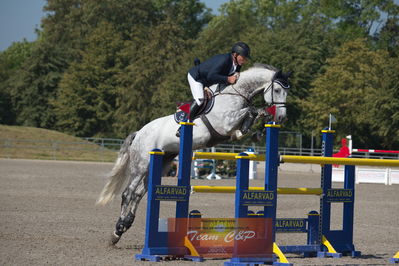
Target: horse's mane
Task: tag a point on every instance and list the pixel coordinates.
(253, 78)
(266, 66)
(252, 81)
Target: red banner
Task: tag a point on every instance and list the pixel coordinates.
(223, 237)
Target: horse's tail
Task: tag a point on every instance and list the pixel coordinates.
(118, 177)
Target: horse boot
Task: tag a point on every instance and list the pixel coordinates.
(121, 226)
(194, 108)
(248, 122)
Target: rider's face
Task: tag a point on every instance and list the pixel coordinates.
(241, 60)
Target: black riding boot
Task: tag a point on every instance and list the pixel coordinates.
(194, 108)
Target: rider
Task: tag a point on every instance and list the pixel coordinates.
(222, 68)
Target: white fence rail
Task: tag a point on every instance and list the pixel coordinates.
(387, 176)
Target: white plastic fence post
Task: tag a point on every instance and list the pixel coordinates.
(252, 165)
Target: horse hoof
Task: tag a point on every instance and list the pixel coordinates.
(114, 239)
(237, 135)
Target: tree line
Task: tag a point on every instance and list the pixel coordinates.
(106, 68)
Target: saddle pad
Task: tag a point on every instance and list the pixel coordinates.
(181, 116)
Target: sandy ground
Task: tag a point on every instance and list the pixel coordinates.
(48, 216)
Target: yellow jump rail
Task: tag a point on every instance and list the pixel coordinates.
(226, 156)
(300, 159)
(232, 189)
(337, 160)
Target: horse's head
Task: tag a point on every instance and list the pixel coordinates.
(273, 83)
(275, 95)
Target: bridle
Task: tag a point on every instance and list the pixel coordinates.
(284, 84)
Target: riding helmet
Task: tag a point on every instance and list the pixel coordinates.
(241, 48)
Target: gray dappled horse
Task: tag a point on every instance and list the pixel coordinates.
(232, 108)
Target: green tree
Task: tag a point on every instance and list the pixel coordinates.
(190, 15)
(354, 82)
(35, 83)
(357, 18)
(388, 37)
(156, 77)
(150, 84)
(151, 37)
(10, 61)
(62, 43)
(382, 102)
(85, 102)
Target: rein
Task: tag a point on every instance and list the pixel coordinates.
(248, 101)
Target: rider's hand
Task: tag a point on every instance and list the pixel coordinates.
(232, 79)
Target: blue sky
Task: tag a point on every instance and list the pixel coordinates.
(20, 18)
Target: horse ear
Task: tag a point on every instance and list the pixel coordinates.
(288, 74)
(277, 75)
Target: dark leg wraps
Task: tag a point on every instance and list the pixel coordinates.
(246, 125)
(124, 224)
(121, 226)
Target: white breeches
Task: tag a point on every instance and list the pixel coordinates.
(197, 89)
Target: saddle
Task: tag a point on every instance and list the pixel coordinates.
(206, 107)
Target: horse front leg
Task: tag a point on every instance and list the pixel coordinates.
(238, 122)
(131, 198)
(249, 119)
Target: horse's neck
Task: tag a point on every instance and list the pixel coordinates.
(230, 105)
(250, 83)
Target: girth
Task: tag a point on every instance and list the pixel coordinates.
(215, 136)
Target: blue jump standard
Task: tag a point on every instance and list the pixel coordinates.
(156, 244)
(394, 260)
(341, 240)
(268, 198)
(317, 225)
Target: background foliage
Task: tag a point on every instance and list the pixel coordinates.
(105, 68)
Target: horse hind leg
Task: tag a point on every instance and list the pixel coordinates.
(124, 222)
(131, 198)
